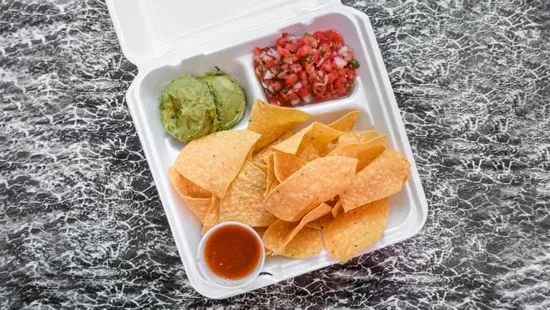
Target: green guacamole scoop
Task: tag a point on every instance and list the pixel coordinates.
(229, 97)
(187, 109)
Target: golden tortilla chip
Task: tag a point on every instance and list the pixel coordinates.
(316, 134)
(346, 122)
(307, 243)
(244, 199)
(199, 206)
(260, 231)
(270, 175)
(212, 162)
(274, 184)
(382, 178)
(271, 121)
(351, 233)
(311, 216)
(309, 153)
(356, 136)
(276, 234)
(365, 152)
(297, 241)
(281, 233)
(285, 165)
(197, 199)
(212, 216)
(260, 165)
(260, 155)
(318, 181)
(185, 187)
(337, 208)
(314, 225)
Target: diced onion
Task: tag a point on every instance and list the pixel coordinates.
(320, 62)
(268, 75)
(344, 50)
(273, 53)
(340, 62)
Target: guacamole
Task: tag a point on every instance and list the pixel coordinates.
(229, 97)
(187, 109)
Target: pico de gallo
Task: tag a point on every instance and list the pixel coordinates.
(308, 69)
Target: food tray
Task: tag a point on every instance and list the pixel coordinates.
(163, 45)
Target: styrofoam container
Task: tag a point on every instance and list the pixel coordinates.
(166, 38)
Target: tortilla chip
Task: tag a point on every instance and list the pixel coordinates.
(351, 233)
(285, 165)
(280, 236)
(199, 206)
(337, 208)
(274, 184)
(314, 225)
(185, 187)
(271, 121)
(212, 162)
(384, 177)
(309, 153)
(212, 216)
(318, 181)
(196, 199)
(244, 199)
(321, 210)
(260, 165)
(276, 234)
(356, 136)
(260, 155)
(316, 134)
(260, 231)
(307, 243)
(346, 122)
(365, 152)
(270, 175)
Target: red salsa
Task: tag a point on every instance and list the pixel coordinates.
(232, 252)
(308, 69)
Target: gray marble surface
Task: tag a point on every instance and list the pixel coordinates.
(81, 225)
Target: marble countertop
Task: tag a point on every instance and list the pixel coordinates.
(81, 224)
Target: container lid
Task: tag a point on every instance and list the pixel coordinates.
(148, 29)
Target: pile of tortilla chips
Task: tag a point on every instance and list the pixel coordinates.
(321, 183)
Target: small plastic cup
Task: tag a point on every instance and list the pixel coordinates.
(209, 275)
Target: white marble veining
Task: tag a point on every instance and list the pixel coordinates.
(81, 225)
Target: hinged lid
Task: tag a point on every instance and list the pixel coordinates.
(148, 29)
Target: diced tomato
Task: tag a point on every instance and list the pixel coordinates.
(319, 36)
(296, 68)
(333, 36)
(291, 79)
(277, 86)
(310, 41)
(340, 85)
(302, 92)
(257, 51)
(282, 40)
(351, 74)
(271, 63)
(304, 51)
(327, 66)
(292, 47)
(283, 51)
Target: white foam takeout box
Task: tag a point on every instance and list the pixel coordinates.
(165, 38)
